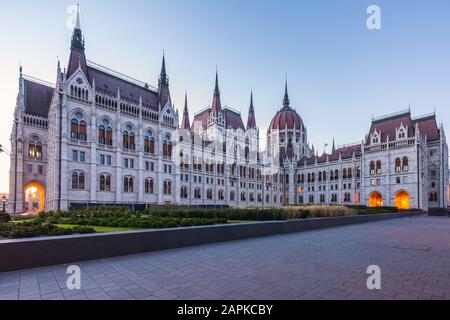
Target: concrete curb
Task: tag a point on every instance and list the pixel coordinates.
(39, 252)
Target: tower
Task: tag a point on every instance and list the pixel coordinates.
(185, 123)
(163, 86)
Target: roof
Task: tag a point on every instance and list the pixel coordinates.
(201, 117)
(129, 91)
(428, 126)
(38, 98)
(286, 118)
(345, 152)
(388, 126)
(233, 119)
(77, 59)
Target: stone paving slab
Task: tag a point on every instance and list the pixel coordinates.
(413, 254)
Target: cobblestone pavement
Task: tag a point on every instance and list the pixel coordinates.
(413, 254)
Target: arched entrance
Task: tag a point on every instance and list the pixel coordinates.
(34, 197)
(376, 200)
(402, 200)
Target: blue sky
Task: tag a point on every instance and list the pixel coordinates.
(340, 73)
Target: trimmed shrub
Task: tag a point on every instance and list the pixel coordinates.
(37, 229)
(4, 217)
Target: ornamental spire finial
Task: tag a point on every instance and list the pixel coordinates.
(163, 78)
(78, 23)
(77, 37)
(216, 88)
(286, 101)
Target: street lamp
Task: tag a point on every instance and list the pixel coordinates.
(4, 203)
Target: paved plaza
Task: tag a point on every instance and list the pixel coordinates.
(413, 254)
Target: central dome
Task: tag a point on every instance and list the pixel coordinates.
(286, 118)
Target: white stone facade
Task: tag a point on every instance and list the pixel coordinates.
(61, 159)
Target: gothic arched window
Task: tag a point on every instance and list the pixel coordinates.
(167, 147)
(78, 127)
(149, 143)
(167, 187)
(128, 184)
(105, 182)
(405, 164)
(184, 192)
(35, 148)
(105, 133)
(372, 168)
(128, 138)
(78, 180)
(148, 187)
(398, 165)
(378, 166)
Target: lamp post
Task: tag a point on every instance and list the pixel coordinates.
(4, 203)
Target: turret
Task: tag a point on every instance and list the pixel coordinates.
(77, 58)
(163, 86)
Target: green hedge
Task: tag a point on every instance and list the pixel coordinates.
(250, 214)
(36, 228)
(138, 222)
(104, 212)
(373, 210)
(4, 217)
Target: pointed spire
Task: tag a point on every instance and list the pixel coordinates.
(77, 37)
(78, 23)
(334, 146)
(163, 84)
(286, 102)
(252, 109)
(251, 120)
(216, 88)
(185, 123)
(77, 58)
(185, 102)
(163, 78)
(216, 105)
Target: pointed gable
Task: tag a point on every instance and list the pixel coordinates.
(389, 125)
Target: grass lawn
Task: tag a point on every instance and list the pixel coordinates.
(102, 229)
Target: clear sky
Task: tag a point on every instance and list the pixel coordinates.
(340, 73)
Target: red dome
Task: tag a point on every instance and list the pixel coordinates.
(286, 118)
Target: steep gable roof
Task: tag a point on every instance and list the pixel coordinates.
(108, 83)
(428, 127)
(38, 98)
(233, 119)
(388, 126)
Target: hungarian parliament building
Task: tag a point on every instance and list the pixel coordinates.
(98, 137)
